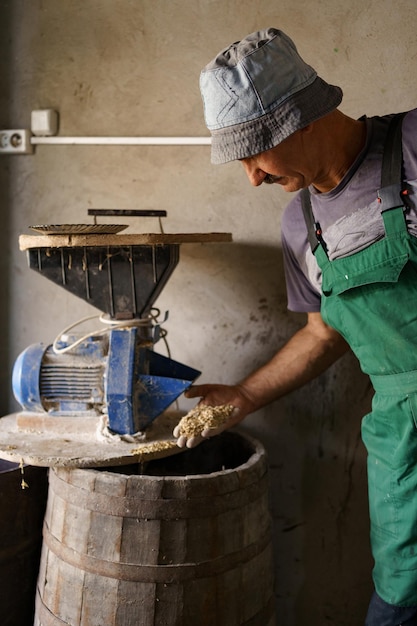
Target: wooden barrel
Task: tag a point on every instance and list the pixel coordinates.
(186, 542)
(22, 513)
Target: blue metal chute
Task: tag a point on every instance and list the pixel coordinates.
(141, 384)
(166, 381)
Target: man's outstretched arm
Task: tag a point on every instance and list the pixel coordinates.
(308, 353)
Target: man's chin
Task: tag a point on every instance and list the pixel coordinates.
(289, 185)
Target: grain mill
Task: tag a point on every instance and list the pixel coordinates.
(148, 542)
(115, 372)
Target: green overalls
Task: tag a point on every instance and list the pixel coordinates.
(370, 298)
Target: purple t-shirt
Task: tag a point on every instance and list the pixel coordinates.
(349, 215)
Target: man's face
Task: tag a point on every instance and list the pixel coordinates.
(286, 165)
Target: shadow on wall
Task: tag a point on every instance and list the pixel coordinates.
(5, 162)
(235, 293)
(318, 491)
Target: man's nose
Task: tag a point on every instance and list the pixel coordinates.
(255, 175)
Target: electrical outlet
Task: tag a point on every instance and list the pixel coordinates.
(15, 142)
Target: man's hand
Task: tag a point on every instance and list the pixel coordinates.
(228, 405)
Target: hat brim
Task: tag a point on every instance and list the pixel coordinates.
(244, 140)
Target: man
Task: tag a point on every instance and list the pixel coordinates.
(350, 252)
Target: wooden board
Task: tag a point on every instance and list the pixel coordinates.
(73, 448)
(72, 241)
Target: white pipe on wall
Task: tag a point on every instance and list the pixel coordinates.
(123, 141)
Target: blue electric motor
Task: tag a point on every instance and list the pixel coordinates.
(116, 374)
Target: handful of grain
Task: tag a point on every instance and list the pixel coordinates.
(202, 418)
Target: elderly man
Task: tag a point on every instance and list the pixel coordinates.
(350, 252)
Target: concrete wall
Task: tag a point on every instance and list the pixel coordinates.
(125, 67)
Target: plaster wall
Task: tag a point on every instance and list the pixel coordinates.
(125, 67)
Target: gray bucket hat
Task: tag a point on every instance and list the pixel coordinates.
(259, 91)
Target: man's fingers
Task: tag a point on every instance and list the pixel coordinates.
(195, 391)
(181, 441)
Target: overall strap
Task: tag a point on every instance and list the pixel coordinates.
(313, 227)
(389, 195)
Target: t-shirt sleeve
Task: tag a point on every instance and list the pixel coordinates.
(303, 294)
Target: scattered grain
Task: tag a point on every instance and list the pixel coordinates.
(155, 446)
